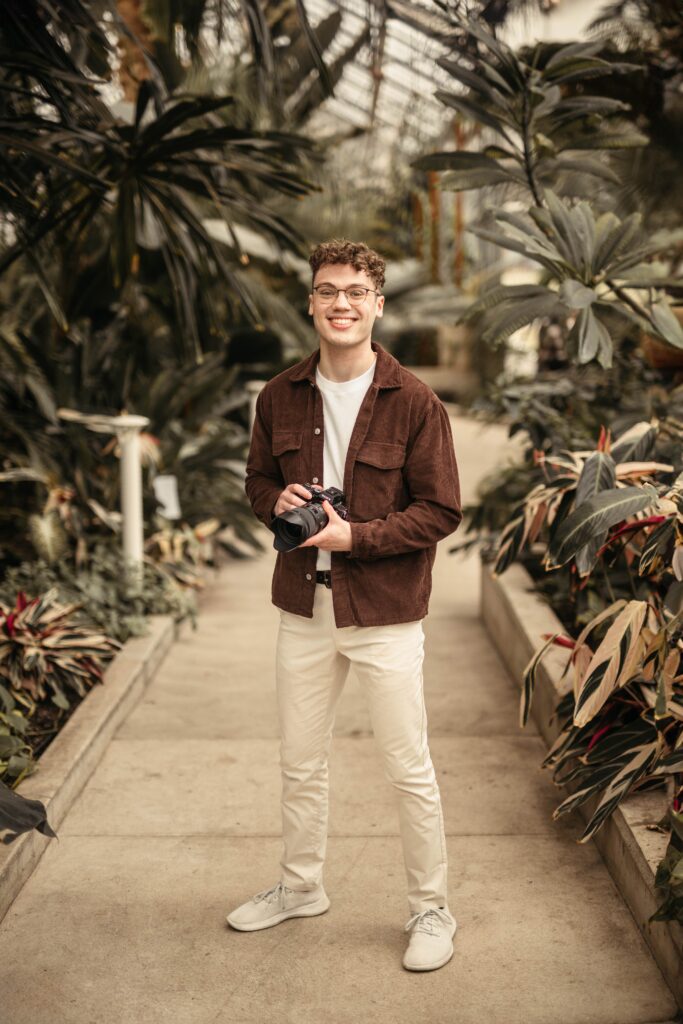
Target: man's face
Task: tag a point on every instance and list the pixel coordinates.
(340, 323)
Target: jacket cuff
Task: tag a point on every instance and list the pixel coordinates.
(264, 506)
(360, 542)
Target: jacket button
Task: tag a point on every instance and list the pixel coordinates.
(317, 430)
(314, 480)
(308, 576)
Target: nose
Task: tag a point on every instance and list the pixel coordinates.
(341, 302)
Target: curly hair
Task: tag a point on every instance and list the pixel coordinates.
(357, 254)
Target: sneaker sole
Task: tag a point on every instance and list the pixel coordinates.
(307, 910)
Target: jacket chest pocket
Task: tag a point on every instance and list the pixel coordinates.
(378, 486)
(286, 448)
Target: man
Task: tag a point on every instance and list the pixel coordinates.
(356, 592)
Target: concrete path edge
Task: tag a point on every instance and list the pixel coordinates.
(515, 616)
(75, 752)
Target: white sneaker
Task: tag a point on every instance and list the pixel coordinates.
(269, 907)
(431, 941)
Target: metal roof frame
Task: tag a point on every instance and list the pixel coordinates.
(408, 54)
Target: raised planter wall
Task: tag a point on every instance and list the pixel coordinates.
(76, 750)
(516, 616)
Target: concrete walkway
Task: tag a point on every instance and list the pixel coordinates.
(123, 921)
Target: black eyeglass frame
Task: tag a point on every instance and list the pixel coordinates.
(317, 287)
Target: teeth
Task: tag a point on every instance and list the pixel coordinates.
(338, 320)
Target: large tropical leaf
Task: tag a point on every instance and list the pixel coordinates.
(616, 660)
(593, 517)
(656, 547)
(635, 444)
(592, 338)
(598, 474)
(615, 785)
(18, 814)
(529, 679)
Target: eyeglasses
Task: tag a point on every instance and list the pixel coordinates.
(357, 294)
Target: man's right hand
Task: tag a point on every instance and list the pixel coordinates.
(293, 496)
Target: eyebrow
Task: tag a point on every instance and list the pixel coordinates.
(354, 284)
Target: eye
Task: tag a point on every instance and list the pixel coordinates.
(357, 293)
(326, 293)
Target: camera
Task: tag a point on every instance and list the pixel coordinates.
(293, 527)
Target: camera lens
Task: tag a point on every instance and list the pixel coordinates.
(294, 527)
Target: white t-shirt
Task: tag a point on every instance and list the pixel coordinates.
(341, 401)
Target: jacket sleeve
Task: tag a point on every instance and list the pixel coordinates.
(263, 482)
(431, 476)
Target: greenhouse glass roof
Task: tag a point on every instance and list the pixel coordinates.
(399, 95)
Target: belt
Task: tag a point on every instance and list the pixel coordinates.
(324, 576)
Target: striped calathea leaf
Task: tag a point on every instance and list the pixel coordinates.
(598, 474)
(614, 785)
(637, 443)
(579, 658)
(530, 672)
(566, 498)
(594, 516)
(614, 663)
(524, 526)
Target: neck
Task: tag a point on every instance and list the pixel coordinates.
(345, 364)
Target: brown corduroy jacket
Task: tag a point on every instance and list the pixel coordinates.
(400, 481)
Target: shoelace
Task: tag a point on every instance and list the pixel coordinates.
(271, 894)
(424, 922)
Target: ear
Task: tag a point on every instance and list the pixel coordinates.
(310, 304)
(380, 306)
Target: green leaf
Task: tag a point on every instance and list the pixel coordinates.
(594, 341)
(502, 321)
(9, 744)
(667, 323)
(548, 168)
(608, 140)
(472, 110)
(492, 297)
(612, 236)
(502, 51)
(656, 544)
(60, 700)
(461, 181)
(598, 474)
(576, 295)
(578, 68)
(521, 245)
(595, 515)
(475, 81)
(638, 765)
(529, 679)
(571, 52)
(616, 660)
(637, 444)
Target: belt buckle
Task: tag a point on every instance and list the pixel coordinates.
(327, 578)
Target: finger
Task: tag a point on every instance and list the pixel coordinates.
(300, 489)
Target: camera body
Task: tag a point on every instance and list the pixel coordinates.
(293, 527)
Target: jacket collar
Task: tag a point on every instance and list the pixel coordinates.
(387, 369)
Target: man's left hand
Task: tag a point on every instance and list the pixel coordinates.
(336, 536)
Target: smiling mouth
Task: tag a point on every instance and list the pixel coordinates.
(341, 321)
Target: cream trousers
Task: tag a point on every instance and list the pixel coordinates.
(312, 662)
